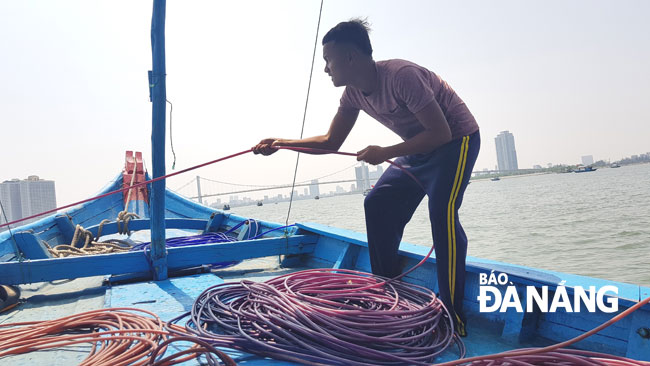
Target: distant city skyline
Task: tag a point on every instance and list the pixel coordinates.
(364, 179)
(314, 186)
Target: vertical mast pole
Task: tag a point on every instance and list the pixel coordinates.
(158, 98)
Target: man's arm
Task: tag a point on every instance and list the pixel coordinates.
(435, 134)
(339, 130)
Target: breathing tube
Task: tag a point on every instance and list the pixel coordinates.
(325, 316)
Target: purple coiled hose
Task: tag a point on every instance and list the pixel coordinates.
(326, 316)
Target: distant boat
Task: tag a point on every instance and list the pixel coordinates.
(495, 179)
(226, 207)
(316, 198)
(615, 165)
(259, 203)
(584, 169)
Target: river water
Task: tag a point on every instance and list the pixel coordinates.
(594, 224)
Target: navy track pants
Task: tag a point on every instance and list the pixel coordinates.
(444, 174)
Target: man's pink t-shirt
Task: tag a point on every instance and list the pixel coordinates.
(404, 89)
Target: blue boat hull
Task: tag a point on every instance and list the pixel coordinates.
(308, 245)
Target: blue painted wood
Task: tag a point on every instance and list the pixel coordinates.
(638, 345)
(560, 332)
(14, 273)
(326, 253)
(17, 273)
(93, 212)
(65, 227)
(140, 224)
(178, 206)
(342, 255)
(644, 292)
(513, 320)
(159, 110)
(248, 230)
(336, 233)
(167, 299)
(30, 246)
(425, 275)
(214, 222)
(348, 257)
(225, 252)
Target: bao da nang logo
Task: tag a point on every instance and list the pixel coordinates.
(492, 298)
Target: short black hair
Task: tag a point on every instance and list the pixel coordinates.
(354, 31)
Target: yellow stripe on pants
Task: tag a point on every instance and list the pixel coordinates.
(451, 227)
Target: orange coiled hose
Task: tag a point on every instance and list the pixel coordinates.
(119, 336)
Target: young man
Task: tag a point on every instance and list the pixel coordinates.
(441, 143)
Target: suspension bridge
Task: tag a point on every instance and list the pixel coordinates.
(200, 188)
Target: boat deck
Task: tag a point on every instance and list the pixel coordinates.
(173, 297)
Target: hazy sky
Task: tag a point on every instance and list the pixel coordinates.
(567, 78)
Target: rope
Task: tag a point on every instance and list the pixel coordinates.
(90, 247)
(122, 220)
(94, 246)
(304, 115)
(100, 228)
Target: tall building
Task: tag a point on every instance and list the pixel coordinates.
(587, 160)
(377, 173)
(363, 177)
(10, 199)
(506, 153)
(23, 198)
(313, 188)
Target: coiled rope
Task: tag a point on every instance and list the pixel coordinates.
(325, 316)
(94, 246)
(91, 245)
